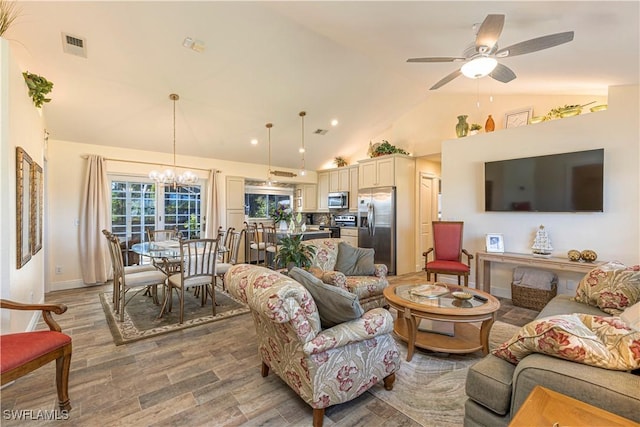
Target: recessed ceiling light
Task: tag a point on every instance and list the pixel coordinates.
(334, 122)
(254, 141)
(300, 150)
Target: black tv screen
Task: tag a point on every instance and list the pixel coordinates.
(567, 182)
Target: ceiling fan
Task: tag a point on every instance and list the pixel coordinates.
(481, 56)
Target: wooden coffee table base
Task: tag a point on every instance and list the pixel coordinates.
(467, 337)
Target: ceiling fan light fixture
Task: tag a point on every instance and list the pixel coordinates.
(479, 67)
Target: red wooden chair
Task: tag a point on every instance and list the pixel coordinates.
(23, 352)
(447, 252)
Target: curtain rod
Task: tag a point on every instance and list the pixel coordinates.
(109, 159)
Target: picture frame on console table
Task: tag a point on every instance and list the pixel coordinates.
(494, 243)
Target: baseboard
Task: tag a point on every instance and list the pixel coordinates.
(68, 284)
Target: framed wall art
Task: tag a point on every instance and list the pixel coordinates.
(37, 185)
(23, 207)
(495, 242)
(517, 118)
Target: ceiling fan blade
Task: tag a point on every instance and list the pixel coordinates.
(446, 80)
(502, 73)
(536, 44)
(489, 33)
(436, 59)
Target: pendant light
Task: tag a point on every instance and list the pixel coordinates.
(169, 176)
(269, 126)
(302, 150)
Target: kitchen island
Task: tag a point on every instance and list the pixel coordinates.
(307, 234)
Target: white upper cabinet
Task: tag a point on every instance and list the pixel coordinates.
(377, 172)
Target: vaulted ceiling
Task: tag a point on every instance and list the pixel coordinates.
(266, 61)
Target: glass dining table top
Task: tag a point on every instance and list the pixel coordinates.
(164, 249)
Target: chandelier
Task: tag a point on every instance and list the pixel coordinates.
(302, 150)
(169, 176)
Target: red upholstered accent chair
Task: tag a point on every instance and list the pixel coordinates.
(447, 252)
(24, 352)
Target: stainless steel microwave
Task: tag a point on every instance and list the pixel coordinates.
(338, 200)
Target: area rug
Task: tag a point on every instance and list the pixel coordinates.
(141, 315)
(430, 388)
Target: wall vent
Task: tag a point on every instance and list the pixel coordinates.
(320, 131)
(74, 45)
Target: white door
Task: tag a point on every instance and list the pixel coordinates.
(428, 212)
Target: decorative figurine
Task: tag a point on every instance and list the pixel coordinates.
(542, 244)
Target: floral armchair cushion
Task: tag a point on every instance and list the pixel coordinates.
(324, 367)
(612, 287)
(606, 342)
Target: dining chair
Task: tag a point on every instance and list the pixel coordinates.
(165, 235)
(128, 269)
(255, 244)
(270, 239)
(232, 255)
(24, 352)
(224, 248)
(138, 281)
(447, 252)
(199, 258)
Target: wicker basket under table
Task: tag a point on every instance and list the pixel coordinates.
(535, 299)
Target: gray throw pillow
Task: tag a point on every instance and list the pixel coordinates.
(335, 305)
(355, 261)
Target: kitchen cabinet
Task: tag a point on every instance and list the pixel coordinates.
(234, 206)
(349, 235)
(353, 188)
(305, 198)
(377, 172)
(339, 180)
(323, 191)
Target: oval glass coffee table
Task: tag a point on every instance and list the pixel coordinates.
(435, 302)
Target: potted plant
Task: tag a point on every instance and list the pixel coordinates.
(38, 88)
(8, 13)
(340, 161)
(293, 253)
(281, 215)
(383, 148)
(474, 128)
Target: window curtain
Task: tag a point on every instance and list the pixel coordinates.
(94, 217)
(213, 207)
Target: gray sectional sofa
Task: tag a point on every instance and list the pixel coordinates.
(496, 389)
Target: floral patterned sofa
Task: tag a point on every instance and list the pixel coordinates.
(324, 367)
(368, 288)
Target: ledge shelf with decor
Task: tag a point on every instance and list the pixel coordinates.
(484, 260)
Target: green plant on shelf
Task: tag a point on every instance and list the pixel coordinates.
(38, 88)
(383, 148)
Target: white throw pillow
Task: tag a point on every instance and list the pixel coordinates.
(631, 316)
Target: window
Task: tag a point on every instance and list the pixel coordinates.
(133, 209)
(260, 202)
(138, 205)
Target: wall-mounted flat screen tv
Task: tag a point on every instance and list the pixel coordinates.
(566, 182)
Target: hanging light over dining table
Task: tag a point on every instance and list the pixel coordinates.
(169, 176)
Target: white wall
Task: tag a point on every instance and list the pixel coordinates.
(23, 126)
(65, 177)
(613, 234)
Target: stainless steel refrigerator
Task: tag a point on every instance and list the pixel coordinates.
(377, 224)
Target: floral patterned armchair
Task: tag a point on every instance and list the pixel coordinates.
(324, 367)
(368, 288)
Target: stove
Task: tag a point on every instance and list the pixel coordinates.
(345, 220)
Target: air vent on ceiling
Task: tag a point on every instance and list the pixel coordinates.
(320, 131)
(74, 45)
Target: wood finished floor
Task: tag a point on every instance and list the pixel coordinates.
(204, 376)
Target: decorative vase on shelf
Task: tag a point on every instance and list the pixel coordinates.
(462, 128)
(490, 125)
(282, 225)
(542, 244)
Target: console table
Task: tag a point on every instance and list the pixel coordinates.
(484, 260)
